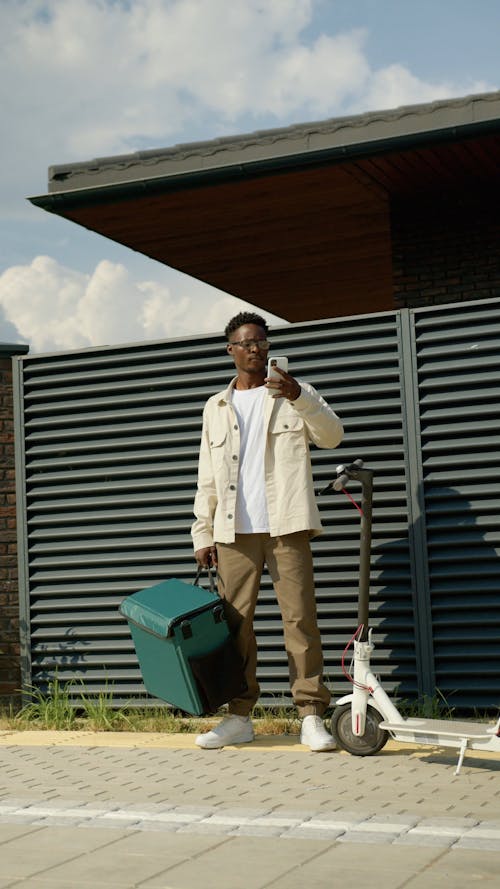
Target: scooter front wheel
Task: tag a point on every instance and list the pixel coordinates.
(373, 739)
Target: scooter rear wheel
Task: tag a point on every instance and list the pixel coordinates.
(373, 739)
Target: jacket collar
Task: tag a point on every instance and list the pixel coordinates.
(225, 397)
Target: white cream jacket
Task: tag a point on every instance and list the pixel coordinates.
(289, 428)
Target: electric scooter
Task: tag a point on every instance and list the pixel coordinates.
(364, 720)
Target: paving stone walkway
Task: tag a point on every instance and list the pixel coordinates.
(77, 815)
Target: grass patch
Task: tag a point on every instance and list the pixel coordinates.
(51, 711)
(99, 715)
(426, 707)
(61, 708)
(278, 720)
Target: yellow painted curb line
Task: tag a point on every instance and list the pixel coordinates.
(185, 741)
(169, 741)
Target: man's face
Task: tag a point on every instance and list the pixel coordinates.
(254, 359)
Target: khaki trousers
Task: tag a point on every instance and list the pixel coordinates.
(289, 562)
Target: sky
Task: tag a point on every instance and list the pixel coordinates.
(81, 79)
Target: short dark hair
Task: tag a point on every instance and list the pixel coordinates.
(245, 318)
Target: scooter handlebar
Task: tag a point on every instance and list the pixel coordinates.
(345, 473)
(340, 482)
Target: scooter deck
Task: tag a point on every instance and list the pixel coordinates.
(440, 727)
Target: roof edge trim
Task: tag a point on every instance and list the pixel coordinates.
(57, 201)
(8, 350)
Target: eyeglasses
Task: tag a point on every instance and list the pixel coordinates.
(263, 345)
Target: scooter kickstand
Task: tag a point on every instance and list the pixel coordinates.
(463, 748)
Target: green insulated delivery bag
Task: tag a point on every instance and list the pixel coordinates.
(184, 647)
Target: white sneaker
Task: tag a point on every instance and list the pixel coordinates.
(232, 730)
(314, 734)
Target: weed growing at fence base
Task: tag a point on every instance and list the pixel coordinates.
(52, 710)
(427, 707)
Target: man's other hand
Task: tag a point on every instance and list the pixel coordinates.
(207, 556)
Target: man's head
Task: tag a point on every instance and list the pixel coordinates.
(247, 343)
(244, 318)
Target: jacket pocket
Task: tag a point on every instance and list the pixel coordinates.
(288, 440)
(217, 441)
(286, 423)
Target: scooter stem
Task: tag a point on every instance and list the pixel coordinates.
(365, 476)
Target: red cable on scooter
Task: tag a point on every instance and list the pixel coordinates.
(344, 670)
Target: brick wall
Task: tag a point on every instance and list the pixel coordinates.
(445, 252)
(10, 677)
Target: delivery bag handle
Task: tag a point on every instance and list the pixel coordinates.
(211, 580)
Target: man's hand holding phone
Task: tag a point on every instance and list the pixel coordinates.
(279, 379)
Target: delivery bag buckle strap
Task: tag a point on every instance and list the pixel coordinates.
(218, 612)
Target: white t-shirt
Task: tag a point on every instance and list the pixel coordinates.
(251, 505)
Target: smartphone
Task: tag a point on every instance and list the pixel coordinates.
(279, 361)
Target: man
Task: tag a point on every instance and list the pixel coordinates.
(255, 505)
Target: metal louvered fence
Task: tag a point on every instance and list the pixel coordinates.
(107, 443)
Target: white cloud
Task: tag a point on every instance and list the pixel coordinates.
(395, 85)
(319, 77)
(55, 308)
(8, 332)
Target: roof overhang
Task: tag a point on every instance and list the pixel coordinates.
(296, 220)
